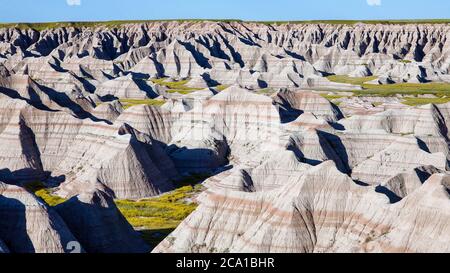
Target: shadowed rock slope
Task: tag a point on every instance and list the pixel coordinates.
(88, 222)
(98, 224)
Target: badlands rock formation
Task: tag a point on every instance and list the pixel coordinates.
(289, 170)
(27, 225)
(88, 222)
(98, 224)
(320, 210)
(114, 61)
(368, 183)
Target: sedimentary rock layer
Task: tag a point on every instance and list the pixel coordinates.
(289, 171)
(321, 210)
(248, 54)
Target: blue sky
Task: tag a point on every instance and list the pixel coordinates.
(285, 10)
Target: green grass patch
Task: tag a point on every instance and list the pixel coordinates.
(176, 86)
(94, 24)
(46, 194)
(221, 87)
(165, 212)
(350, 80)
(182, 91)
(424, 101)
(127, 103)
(415, 89)
(332, 97)
(120, 23)
(170, 84)
(265, 91)
(438, 89)
(353, 22)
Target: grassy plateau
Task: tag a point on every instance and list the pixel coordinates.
(176, 86)
(423, 101)
(156, 217)
(410, 91)
(118, 23)
(46, 194)
(152, 216)
(127, 103)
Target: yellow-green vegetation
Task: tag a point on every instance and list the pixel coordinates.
(107, 24)
(170, 84)
(176, 86)
(46, 194)
(265, 91)
(119, 23)
(423, 101)
(332, 97)
(127, 103)
(221, 87)
(406, 61)
(158, 216)
(350, 80)
(53, 25)
(353, 22)
(386, 90)
(182, 91)
(160, 212)
(437, 89)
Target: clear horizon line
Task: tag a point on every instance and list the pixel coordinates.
(230, 19)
